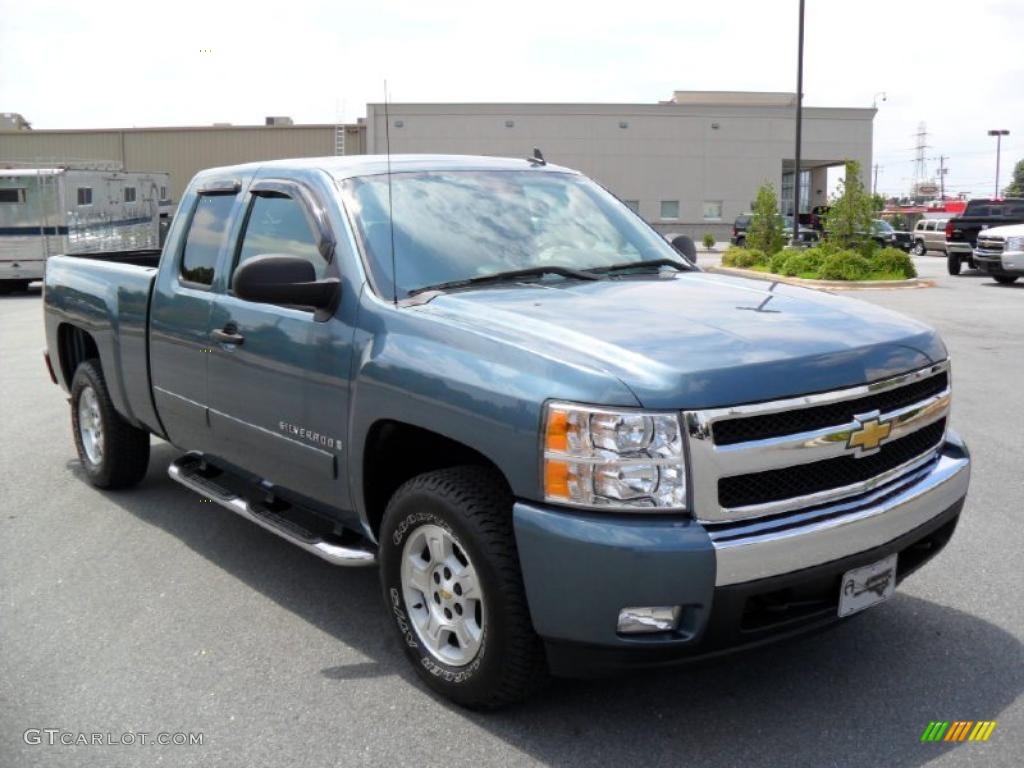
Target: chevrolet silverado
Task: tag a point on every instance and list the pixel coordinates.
(567, 448)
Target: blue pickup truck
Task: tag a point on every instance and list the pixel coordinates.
(567, 448)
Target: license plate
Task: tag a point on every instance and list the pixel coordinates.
(863, 587)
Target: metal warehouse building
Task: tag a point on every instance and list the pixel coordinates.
(689, 164)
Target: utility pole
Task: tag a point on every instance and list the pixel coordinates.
(942, 177)
(999, 146)
(874, 184)
(799, 120)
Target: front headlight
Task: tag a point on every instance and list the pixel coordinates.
(602, 457)
(1015, 243)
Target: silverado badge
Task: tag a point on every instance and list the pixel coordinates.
(871, 433)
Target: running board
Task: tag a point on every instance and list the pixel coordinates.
(190, 470)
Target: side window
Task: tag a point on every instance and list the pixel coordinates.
(85, 195)
(930, 226)
(277, 224)
(129, 194)
(205, 238)
(16, 195)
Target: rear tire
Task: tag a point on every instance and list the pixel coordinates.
(113, 453)
(441, 530)
(953, 263)
(919, 248)
(1005, 279)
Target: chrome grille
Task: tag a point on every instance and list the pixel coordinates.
(990, 245)
(781, 457)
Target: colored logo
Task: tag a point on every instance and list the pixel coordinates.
(958, 730)
(870, 434)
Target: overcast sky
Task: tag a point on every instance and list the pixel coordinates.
(957, 66)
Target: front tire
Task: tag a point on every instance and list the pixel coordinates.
(113, 453)
(1005, 279)
(919, 248)
(451, 580)
(953, 263)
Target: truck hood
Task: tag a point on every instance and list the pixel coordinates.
(696, 340)
(1007, 230)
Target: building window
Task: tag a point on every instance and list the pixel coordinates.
(712, 210)
(623, 124)
(633, 205)
(85, 195)
(163, 193)
(786, 202)
(12, 195)
(129, 194)
(510, 123)
(670, 209)
(399, 123)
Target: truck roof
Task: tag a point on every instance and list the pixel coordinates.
(347, 166)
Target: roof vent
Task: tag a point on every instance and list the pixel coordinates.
(278, 121)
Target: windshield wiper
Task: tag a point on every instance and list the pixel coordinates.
(640, 265)
(502, 277)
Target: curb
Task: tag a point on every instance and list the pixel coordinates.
(827, 285)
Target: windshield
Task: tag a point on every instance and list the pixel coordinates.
(457, 225)
(882, 226)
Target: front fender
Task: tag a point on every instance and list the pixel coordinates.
(488, 394)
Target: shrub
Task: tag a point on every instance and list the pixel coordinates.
(778, 261)
(709, 241)
(751, 257)
(729, 257)
(804, 262)
(894, 261)
(845, 265)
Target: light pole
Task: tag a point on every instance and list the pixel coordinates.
(799, 120)
(874, 100)
(998, 133)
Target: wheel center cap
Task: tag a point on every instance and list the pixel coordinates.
(445, 594)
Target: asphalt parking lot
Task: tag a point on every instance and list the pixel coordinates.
(151, 611)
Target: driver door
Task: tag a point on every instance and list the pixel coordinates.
(278, 378)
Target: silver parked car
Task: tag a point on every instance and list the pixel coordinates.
(930, 235)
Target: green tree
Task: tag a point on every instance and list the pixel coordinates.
(848, 221)
(1016, 188)
(765, 231)
(877, 203)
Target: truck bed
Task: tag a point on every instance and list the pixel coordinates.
(106, 295)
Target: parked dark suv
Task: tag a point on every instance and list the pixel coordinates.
(742, 224)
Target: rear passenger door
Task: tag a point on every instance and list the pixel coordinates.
(180, 312)
(278, 377)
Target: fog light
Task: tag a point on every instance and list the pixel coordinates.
(658, 618)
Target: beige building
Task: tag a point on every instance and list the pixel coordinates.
(690, 164)
(180, 151)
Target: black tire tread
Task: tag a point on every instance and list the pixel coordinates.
(486, 503)
(126, 447)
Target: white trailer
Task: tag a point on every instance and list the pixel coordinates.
(46, 211)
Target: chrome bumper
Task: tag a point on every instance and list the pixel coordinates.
(854, 527)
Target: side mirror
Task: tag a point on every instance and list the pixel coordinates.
(282, 279)
(685, 245)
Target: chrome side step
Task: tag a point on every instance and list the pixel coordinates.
(188, 470)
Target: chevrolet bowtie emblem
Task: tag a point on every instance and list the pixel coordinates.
(871, 434)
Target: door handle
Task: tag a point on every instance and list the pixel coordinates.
(228, 335)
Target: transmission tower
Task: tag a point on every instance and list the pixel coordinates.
(920, 173)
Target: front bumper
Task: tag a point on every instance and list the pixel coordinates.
(1005, 263)
(580, 570)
